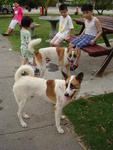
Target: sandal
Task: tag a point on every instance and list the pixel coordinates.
(73, 67)
(5, 34)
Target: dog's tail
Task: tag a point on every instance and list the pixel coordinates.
(33, 43)
(24, 70)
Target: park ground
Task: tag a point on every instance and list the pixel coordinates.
(91, 116)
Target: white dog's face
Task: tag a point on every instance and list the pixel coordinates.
(72, 85)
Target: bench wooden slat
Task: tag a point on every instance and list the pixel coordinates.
(96, 50)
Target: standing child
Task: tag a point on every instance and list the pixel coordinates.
(91, 33)
(18, 14)
(25, 39)
(65, 27)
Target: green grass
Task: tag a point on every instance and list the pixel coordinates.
(42, 31)
(92, 119)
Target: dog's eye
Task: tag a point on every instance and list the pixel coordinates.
(70, 55)
(66, 84)
(72, 86)
(74, 55)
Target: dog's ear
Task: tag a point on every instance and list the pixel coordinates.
(80, 76)
(65, 75)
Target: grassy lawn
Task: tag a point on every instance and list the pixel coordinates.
(92, 119)
(42, 31)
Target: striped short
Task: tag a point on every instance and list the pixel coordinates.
(82, 40)
(58, 38)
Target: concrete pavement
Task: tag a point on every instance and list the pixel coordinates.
(41, 133)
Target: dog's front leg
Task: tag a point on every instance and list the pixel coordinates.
(43, 70)
(67, 69)
(60, 68)
(58, 113)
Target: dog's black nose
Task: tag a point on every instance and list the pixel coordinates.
(66, 94)
(71, 61)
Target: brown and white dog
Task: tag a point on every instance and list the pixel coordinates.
(61, 56)
(59, 92)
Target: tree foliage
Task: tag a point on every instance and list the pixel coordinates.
(101, 5)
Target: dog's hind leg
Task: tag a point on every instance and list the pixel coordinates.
(43, 70)
(20, 113)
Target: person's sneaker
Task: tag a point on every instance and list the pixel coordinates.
(36, 71)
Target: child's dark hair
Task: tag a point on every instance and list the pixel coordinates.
(63, 7)
(26, 21)
(87, 7)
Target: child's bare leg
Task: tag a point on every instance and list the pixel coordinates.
(78, 56)
(71, 45)
(34, 61)
(53, 41)
(24, 61)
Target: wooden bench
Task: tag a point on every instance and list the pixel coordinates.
(97, 50)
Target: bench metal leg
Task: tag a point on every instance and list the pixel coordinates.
(106, 41)
(100, 71)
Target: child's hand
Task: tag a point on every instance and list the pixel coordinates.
(68, 37)
(93, 42)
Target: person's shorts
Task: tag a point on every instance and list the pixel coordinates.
(82, 40)
(58, 38)
(13, 24)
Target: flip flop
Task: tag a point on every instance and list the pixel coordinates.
(73, 67)
(5, 34)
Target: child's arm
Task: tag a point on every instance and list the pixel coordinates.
(99, 28)
(83, 32)
(69, 34)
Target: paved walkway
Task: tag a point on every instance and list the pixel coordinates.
(41, 133)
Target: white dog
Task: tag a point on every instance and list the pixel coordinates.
(61, 56)
(57, 91)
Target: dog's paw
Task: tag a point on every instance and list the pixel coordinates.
(25, 116)
(24, 125)
(60, 130)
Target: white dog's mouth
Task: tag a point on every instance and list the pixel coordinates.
(69, 97)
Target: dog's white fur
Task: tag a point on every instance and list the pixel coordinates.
(52, 54)
(27, 86)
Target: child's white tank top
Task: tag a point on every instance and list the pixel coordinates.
(90, 27)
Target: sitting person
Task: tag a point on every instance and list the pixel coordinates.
(91, 33)
(18, 14)
(25, 39)
(65, 27)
